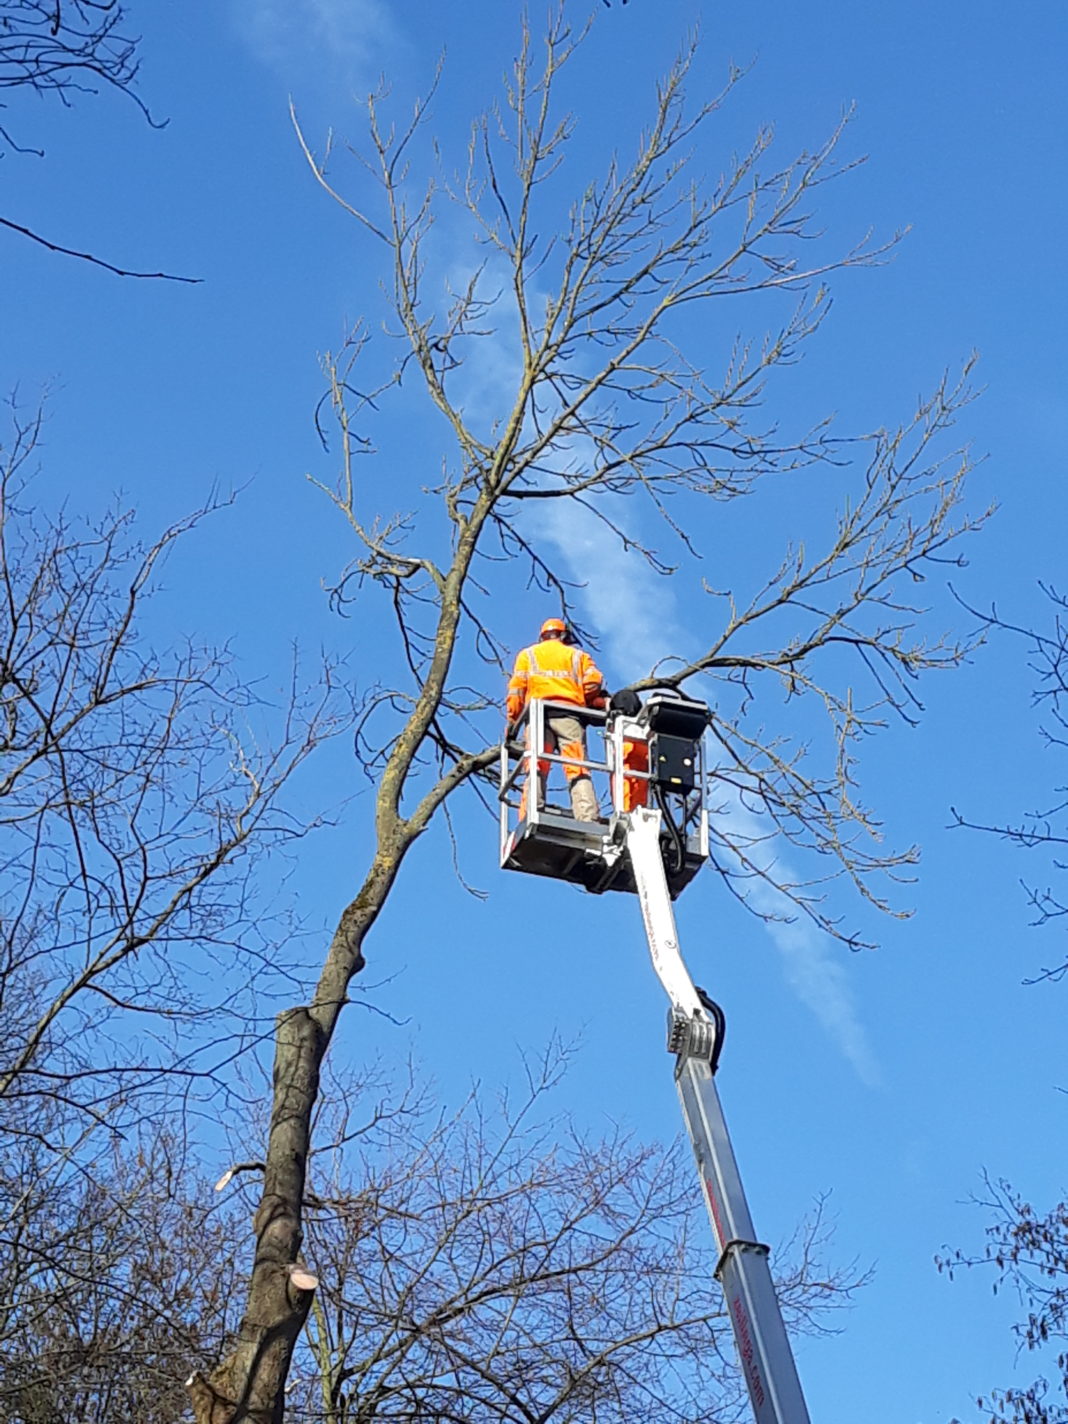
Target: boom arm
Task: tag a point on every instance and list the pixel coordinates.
(742, 1269)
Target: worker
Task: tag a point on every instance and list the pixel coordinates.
(635, 788)
(555, 671)
(628, 705)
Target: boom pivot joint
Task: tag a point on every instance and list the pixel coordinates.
(690, 1035)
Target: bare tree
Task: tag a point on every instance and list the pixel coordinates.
(1027, 1248)
(134, 802)
(1046, 829)
(1027, 1252)
(115, 1276)
(598, 305)
(61, 49)
(485, 1265)
(493, 1265)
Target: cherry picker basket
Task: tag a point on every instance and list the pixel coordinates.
(653, 758)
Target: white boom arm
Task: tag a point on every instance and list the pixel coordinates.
(742, 1269)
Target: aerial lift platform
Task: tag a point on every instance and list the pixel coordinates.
(652, 841)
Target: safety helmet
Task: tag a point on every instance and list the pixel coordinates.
(554, 625)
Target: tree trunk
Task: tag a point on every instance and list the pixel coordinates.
(248, 1386)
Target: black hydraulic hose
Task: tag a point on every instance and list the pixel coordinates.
(678, 845)
(719, 1018)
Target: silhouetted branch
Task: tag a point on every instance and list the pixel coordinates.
(88, 256)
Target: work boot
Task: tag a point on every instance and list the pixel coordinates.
(584, 800)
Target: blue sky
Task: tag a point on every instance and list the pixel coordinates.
(887, 1080)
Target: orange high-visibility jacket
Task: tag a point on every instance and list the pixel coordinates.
(554, 671)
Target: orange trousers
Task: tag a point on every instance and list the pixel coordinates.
(635, 788)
